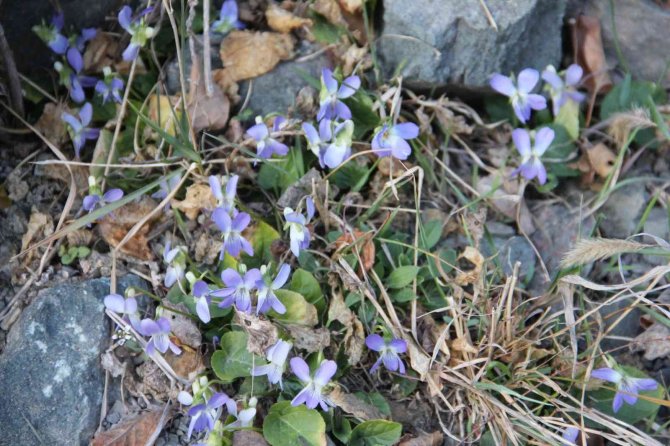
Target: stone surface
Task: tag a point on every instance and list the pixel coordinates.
(623, 332)
(276, 91)
(511, 249)
(623, 210)
(32, 56)
(437, 42)
(50, 374)
(558, 228)
(172, 70)
(641, 26)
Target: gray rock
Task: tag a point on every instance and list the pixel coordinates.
(172, 71)
(276, 91)
(657, 224)
(641, 28)
(517, 249)
(623, 210)
(31, 55)
(558, 228)
(627, 328)
(50, 374)
(438, 42)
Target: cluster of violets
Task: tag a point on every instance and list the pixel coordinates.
(331, 138)
(523, 101)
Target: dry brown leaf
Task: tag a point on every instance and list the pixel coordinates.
(39, 226)
(130, 431)
(434, 439)
(102, 51)
(198, 197)
(165, 111)
(283, 21)
(360, 241)
(207, 112)
(654, 341)
(248, 438)
(111, 363)
(597, 160)
(207, 249)
(248, 54)
(353, 405)
(505, 199)
(462, 345)
(188, 364)
(473, 275)
(351, 6)
(114, 226)
(183, 327)
(474, 222)
(51, 125)
(338, 310)
(262, 334)
(354, 342)
(356, 56)
(589, 53)
(309, 339)
(331, 10)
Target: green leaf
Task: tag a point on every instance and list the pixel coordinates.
(403, 295)
(430, 233)
(233, 360)
(363, 114)
(376, 399)
(562, 146)
(601, 399)
(286, 425)
(298, 310)
(282, 174)
(568, 117)
(303, 282)
(341, 428)
(376, 433)
(261, 240)
(402, 276)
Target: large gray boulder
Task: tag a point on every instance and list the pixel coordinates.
(439, 42)
(642, 28)
(50, 374)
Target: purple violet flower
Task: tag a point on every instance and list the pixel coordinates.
(319, 141)
(137, 28)
(78, 128)
(312, 395)
(296, 223)
(200, 292)
(570, 434)
(276, 356)
(231, 229)
(165, 188)
(627, 386)
(531, 166)
(392, 140)
(174, 258)
(267, 299)
(81, 40)
(560, 91)
(96, 198)
(228, 18)
(389, 352)
(520, 94)
(204, 415)
(266, 145)
(124, 306)
(76, 81)
(238, 289)
(331, 106)
(51, 34)
(160, 336)
(110, 87)
(224, 201)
